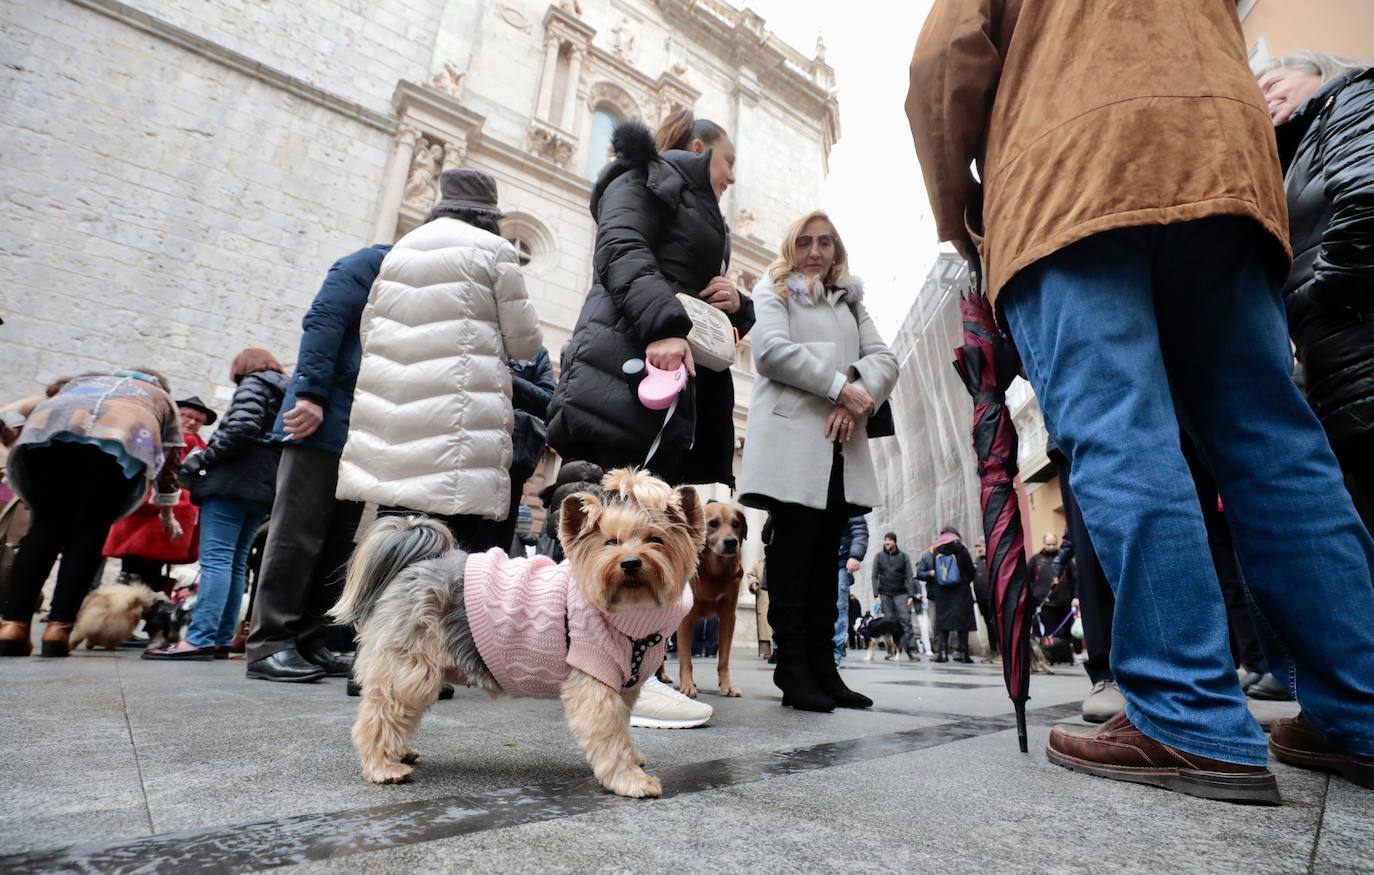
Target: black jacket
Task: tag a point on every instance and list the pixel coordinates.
(854, 541)
(532, 388)
(954, 604)
(892, 573)
(240, 461)
(1328, 150)
(659, 232)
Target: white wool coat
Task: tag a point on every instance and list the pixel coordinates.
(431, 423)
(806, 346)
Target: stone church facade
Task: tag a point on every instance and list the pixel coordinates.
(179, 174)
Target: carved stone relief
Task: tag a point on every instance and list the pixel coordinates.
(422, 183)
(623, 38)
(545, 141)
(449, 80)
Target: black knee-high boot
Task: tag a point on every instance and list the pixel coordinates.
(787, 554)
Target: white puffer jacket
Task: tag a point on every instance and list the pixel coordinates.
(431, 424)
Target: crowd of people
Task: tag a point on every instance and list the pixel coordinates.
(1147, 303)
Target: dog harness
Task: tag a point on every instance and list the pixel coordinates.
(532, 625)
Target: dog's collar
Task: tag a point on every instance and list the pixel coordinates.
(638, 648)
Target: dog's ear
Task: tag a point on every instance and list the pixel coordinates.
(689, 512)
(580, 511)
(743, 524)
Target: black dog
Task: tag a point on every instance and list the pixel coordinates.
(165, 622)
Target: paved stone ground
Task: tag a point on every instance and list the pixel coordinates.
(114, 764)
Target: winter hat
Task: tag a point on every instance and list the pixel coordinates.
(194, 403)
(462, 188)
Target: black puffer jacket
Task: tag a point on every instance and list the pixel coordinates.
(240, 463)
(532, 388)
(1328, 150)
(659, 232)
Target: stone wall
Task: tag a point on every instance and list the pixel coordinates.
(159, 208)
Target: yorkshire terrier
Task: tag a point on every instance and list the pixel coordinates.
(588, 630)
(109, 615)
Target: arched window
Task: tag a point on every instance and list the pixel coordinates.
(604, 120)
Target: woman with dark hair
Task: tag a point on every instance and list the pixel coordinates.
(85, 458)
(659, 233)
(432, 418)
(234, 482)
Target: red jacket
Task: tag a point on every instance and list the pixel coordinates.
(140, 533)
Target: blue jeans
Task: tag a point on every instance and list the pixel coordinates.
(1126, 336)
(842, 618)
(227, 528)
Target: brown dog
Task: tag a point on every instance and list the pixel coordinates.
(715, 592)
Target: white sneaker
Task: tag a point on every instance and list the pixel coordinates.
(661, 707)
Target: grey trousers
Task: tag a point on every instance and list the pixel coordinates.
(309, 541)
(896, 606)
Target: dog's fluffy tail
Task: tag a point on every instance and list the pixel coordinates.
(391, 545)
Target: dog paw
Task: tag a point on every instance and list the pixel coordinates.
(731, 692)
(635, 784)
(388, 773)
(410, 756)
(688, 689)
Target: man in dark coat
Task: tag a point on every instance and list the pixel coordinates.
(311, 534)
(1327, 149)
(893, 585)
(982, 593)
(659, 232)
(853, 549)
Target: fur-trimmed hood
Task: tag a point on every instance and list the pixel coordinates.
(665, 174)
(803, 289)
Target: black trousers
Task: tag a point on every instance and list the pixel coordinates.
(78, 492)
(799, 558)
(1357, 464)
(1096, 602)
(308, 545)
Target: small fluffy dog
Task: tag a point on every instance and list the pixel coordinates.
(166, 621)
(588, 630)
(715, 592)
(109, 615)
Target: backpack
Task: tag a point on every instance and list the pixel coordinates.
(947, 570)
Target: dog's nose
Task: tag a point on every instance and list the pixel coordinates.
(731, 543)
(631, 564)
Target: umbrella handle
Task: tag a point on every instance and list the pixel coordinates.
(1021, 726)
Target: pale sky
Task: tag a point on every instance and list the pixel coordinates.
(874, 192)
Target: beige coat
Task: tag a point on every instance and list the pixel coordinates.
(431, 424)
(1088, 115)
(801, 347)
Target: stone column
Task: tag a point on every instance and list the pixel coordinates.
(384, 231)
(546, 83)
(570, 92)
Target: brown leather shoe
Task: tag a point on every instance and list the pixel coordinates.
(15, 639)
(56, 639)
(1119, 751)
(240, 642)
(1298, 743)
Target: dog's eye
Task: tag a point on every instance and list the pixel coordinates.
(612, 542)
(715, 524)
(653, 539)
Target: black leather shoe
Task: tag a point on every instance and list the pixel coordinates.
(799, 688)
(286, 666)
(334, 665)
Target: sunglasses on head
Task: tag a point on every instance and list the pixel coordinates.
(825, 240)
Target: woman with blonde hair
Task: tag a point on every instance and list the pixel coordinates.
(822, 370)
(234, 482)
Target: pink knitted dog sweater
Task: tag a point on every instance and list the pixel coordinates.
(532, 624)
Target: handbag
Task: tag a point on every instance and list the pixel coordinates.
(713, 339)
(880, 422)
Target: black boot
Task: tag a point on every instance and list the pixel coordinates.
(798, 684)
(942, 649)
(827, 676)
